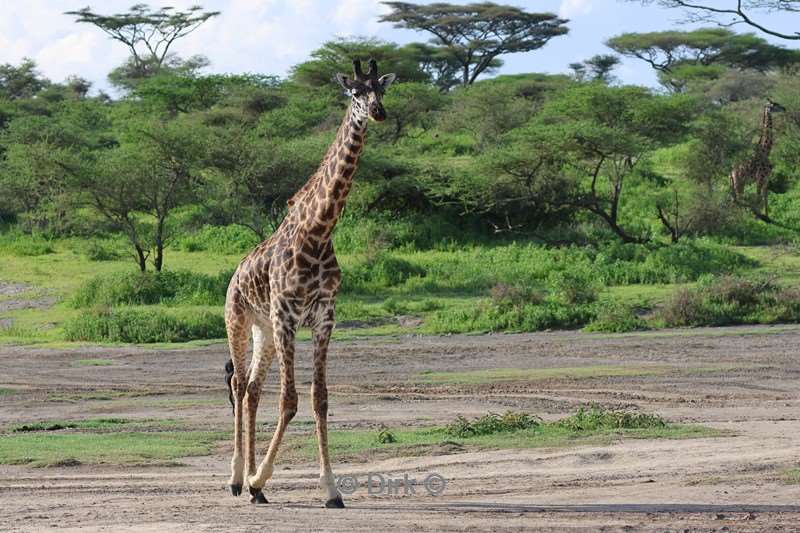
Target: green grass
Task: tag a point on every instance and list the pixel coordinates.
(94, 362)
(135, 447)
(73, 397)
(146, 441)
(474, 377)
(8, 392)
(793, 476)
(447, 287)
(607, 427)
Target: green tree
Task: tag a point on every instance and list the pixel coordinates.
(476, 35)
(137, 185)
(679, 55)
(148, 34)
(43, 150)
(583, 146)
(337, 56)
(257, 175)
(22, 81)
(131, 74)
(599, 67)
(415, 105)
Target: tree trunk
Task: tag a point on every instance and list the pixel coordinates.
(141, 258)
(158, 262)
(616, 228)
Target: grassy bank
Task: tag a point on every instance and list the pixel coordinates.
(129, 442)
(446, 289)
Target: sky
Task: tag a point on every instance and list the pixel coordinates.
(270, 36)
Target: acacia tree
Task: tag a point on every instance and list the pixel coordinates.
(137, 185)
(582, 148)
(599, 67)
(702, 54)
(475, 35)
(413, 62)
(735, 12)
(148, 33)
(22, 81)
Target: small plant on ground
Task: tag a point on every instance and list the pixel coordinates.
(385, 436)
(594, 417)
(492, 423)
(616, 318)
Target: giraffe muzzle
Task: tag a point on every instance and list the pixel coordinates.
(377, 112)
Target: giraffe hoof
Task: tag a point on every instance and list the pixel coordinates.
(236, 489)
(335, 503)
(257, 497)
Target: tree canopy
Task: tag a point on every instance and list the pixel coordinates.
(476, 35)
(148, 33)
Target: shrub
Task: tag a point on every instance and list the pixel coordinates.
(596, 418)
(502, 294)
(728, 300)
(383, 271)
(578, 286)
(21, 244)
(137, 288)
(385, 436)
(684, 308)
(142, 326)
(530, 317)
(616, 318)
(96, 251)
(229, 240)
(624, 264)
(492, 423)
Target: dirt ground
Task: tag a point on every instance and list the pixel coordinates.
(744, 380)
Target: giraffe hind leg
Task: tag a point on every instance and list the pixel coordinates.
(284, 334)
(263, 354)
(237, 324)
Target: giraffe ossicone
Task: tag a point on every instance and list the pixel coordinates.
(291, 280)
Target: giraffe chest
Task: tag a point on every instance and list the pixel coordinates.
(305, 274)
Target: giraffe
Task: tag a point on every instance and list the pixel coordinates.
(757, 167)
(291, 280)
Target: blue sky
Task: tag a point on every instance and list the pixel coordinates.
(269, 36)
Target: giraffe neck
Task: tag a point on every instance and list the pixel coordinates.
(327, 191)
(765, 140)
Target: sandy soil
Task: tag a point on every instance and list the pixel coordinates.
(744, 380)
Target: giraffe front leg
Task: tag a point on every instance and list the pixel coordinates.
(319, 401)
(284, 345)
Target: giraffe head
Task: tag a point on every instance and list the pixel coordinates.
(774, 107)
(366, 90)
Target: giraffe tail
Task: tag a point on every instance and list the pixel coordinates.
(228, 378)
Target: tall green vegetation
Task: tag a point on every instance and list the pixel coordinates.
(533, 193)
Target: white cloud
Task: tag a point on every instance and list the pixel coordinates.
(572, 8)
(357, 17)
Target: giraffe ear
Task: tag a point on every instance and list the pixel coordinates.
(386, 80)
(344, 81)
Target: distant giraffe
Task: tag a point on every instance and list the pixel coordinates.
(291, 280)
(757, 168)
